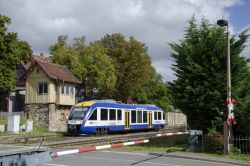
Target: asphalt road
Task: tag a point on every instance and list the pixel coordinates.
(112, 158)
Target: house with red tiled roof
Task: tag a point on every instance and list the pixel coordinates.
(15, 101)
(50, 93)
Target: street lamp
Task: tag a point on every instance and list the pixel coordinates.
(227, 145)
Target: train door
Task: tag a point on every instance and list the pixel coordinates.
(127, 119)
(149, 119)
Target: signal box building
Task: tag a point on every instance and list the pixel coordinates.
(50, 93)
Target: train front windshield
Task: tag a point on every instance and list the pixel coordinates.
(78, 113)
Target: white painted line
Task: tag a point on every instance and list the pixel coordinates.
(56, 164)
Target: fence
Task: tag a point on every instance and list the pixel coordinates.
(241, 145)
(4, 115)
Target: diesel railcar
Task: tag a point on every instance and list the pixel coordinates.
(102, 117)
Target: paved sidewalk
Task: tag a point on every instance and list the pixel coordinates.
(200, 156)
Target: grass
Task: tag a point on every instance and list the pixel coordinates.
(37, 129)
(245, 158)
(167, 144)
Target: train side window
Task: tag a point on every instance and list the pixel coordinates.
(104, 114)
(119, 114)
(155, 115)
(159, 115)
(139, 116)
(94, 115)
(145, 117)
(133, 116)
(112, 114)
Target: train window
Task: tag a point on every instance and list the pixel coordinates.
(104, 114)
(77, 113)
(164, 116)
(139, 116)
(133, 116)
(159, 115)
(145, 117)
(119, 114)
(155, 115)
(112, 114)
(94, 115)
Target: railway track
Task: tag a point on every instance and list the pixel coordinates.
(113, 138)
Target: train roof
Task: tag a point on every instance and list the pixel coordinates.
(114, 104)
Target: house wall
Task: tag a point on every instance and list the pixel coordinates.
(58, 115)
(66, 100)
(54, 95)
(50, 116)
(31, 94)
(39, 113)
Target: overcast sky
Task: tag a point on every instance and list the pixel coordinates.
(155, 22)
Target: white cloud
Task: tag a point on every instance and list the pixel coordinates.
(156, 22)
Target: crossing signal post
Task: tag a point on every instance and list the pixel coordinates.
(227, 126)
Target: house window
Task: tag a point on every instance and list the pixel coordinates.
(42, 88)
(72, 90)
(67, 89)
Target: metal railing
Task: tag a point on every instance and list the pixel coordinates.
(241, 144)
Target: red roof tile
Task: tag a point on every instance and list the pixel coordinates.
(55, 72)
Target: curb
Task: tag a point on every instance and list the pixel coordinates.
(196, 158)
(94, 148)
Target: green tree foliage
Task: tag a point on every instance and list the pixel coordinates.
(12, 52)
(117, 68)
(89, 63)
(200, 89)
(132, 64)
(155, 92)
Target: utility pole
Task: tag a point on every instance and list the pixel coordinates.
(227, 126)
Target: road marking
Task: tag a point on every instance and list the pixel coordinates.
(135, 161)
(56, 164)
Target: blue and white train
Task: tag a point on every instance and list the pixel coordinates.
(101, 117)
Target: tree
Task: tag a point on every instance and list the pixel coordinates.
(155, 92)
(132, 64)
(200, 67)
(12, 52)
(89, 63)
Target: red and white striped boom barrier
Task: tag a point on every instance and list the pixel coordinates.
(170, 134)
(94, 148)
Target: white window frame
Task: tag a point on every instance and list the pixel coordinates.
(38, 88)
(71, 89)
